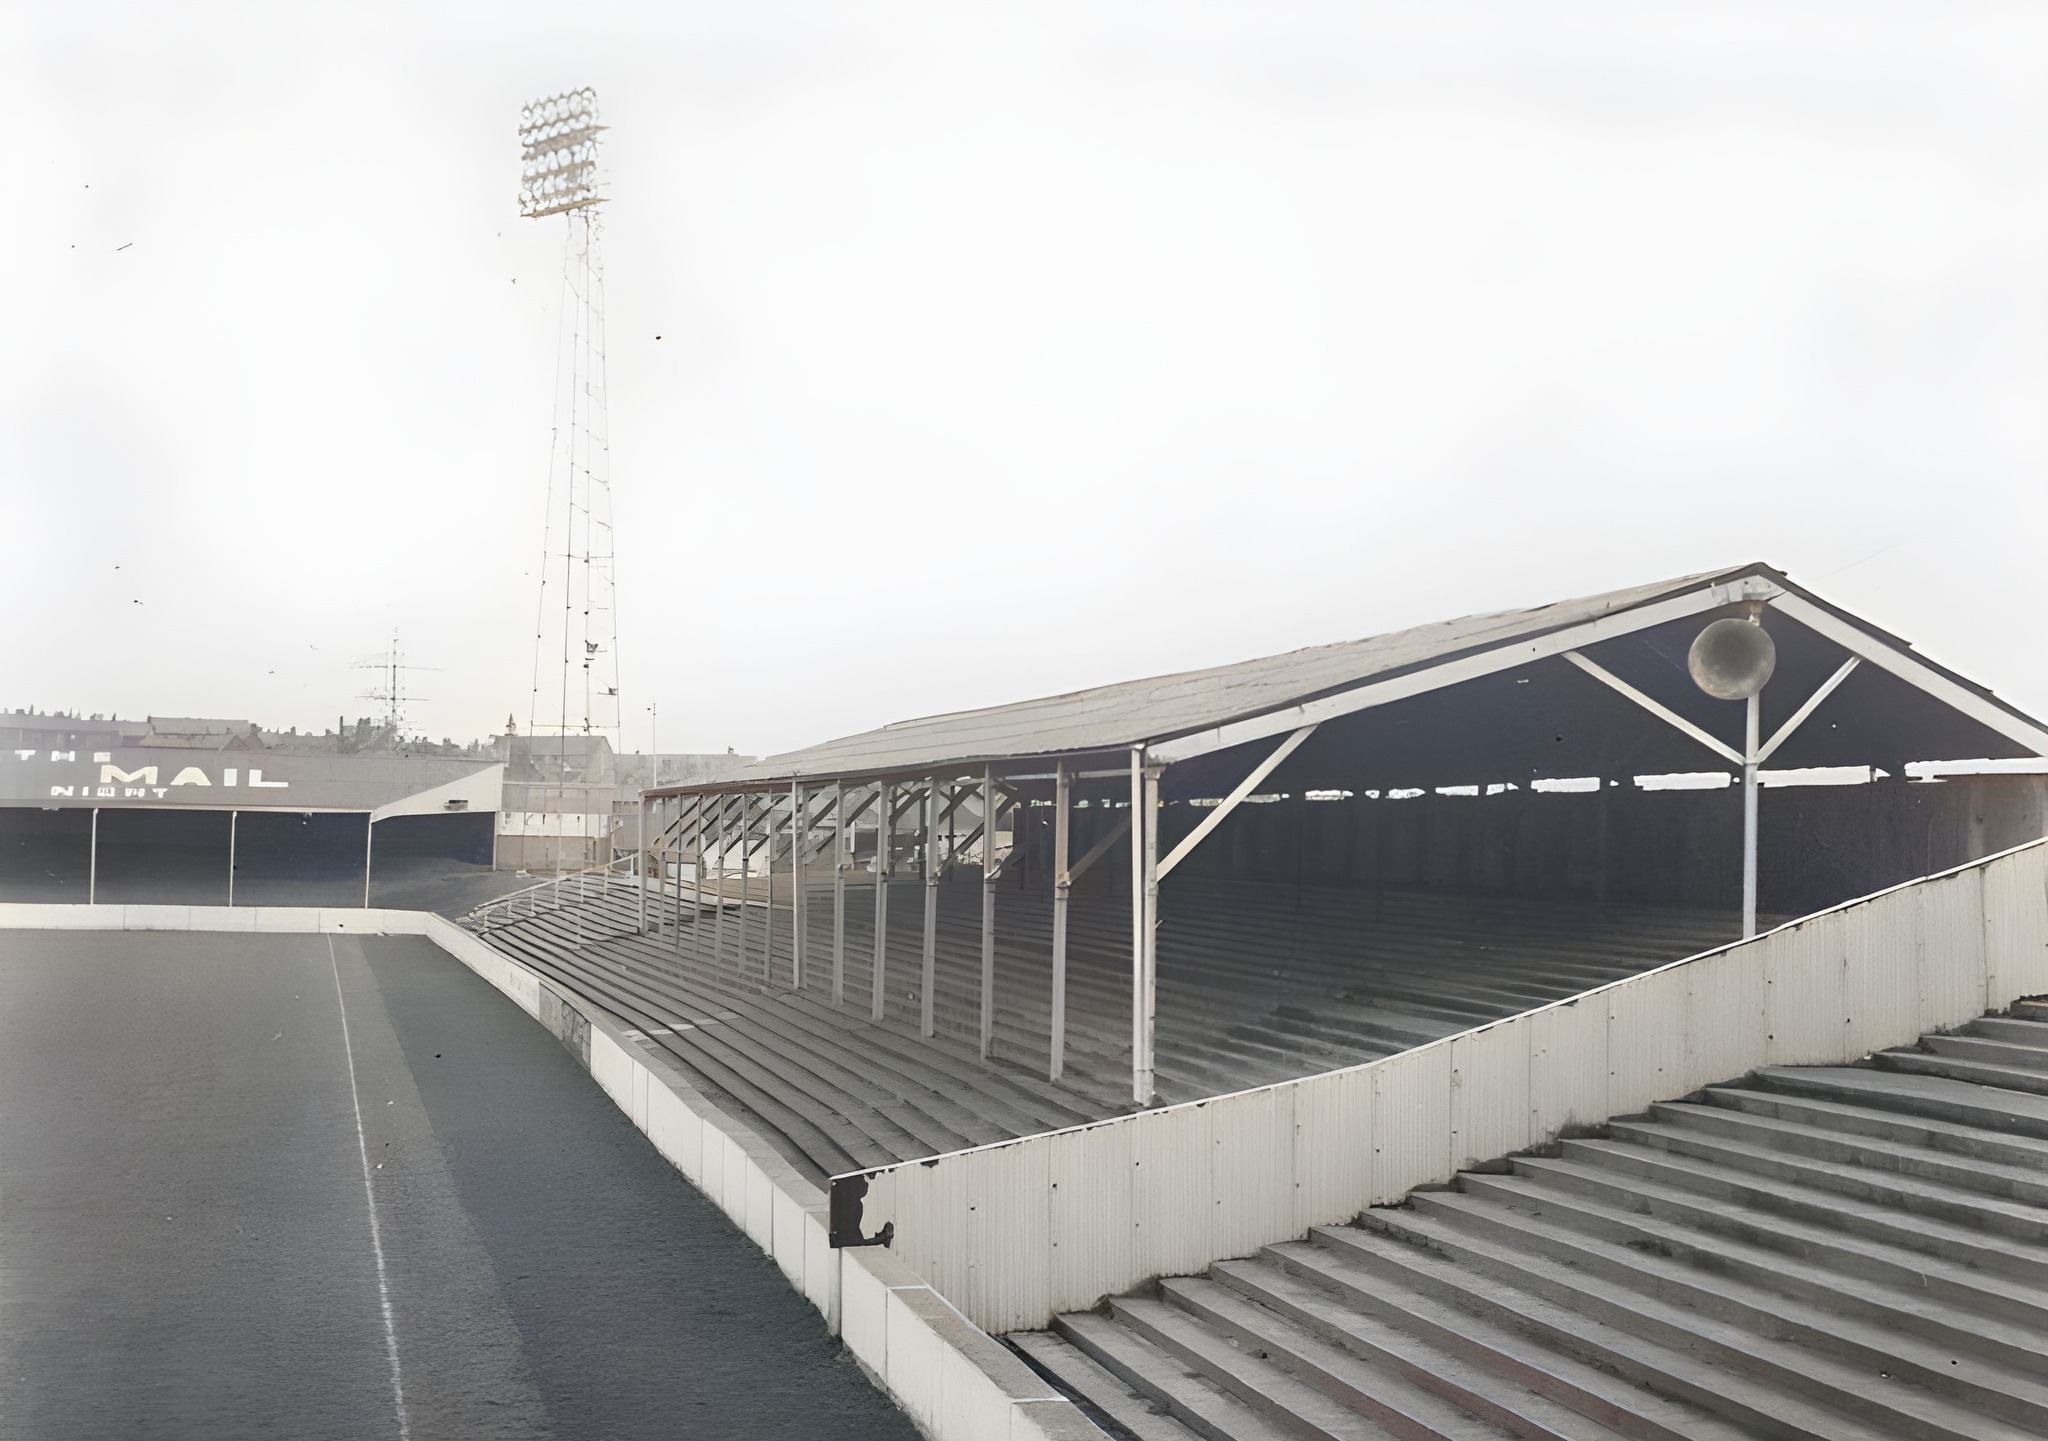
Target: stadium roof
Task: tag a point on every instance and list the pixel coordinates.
(1191, 713)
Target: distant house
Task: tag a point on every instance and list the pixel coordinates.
(198, 733)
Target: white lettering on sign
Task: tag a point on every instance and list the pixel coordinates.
(106, 790)
(114, 775)
(62, 790)
(63, 755)
(256, 779)
(227, 777)
(133, 791)
(190, 776)
(24, 755)
(100, 757)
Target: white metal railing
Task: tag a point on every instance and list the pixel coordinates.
(1016, 1232)
(571, 890)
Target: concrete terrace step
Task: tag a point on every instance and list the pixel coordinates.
(1250, 1376)
(2009, 1028)
(1937, 1098)
(1952, 1188)
(1194, 1401)
(1817, 1243)
(1961, 1068)
(1757, 1289)
(1405, 1384)
(1688, 1373)
(1903, 1128)
(1104, 1394)
(1608, 1169)
(1500, 1366)
(1996, 1178)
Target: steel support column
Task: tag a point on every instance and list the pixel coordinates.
(718, 924)
(929, 979)
(769, 826)
(988, 910)
(885, 825)
(1144, 922)
(234, 818)
(1750, 741)
(369, 839)
(92, 873)
(840, 861)
(1062, 883)
(799, 912)
(746, 920)
(640, 862)
(697, 877)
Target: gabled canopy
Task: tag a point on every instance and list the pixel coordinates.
(1194, 713)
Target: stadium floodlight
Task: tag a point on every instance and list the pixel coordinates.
(558, 154)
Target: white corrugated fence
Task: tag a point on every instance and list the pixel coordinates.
(1016, 1232)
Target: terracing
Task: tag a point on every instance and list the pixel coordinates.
(1257, 984)
(1827, 1252)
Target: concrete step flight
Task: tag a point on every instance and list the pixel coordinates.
(1812, 1254)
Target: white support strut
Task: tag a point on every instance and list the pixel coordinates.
(1913, 671)
(1827, 688)
(1144, 924)
(988, 909)
(1232, 801)
(1655, 708)
(1063, 786)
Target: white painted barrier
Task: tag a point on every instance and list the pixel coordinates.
(956, 1382)
(1016, 1232)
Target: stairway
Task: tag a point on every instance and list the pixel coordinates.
(1850, 1253)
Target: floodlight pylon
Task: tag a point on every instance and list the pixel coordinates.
(575, 679)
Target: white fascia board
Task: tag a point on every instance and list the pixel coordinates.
(1510, 656)
(483, 788)
(1912, 671)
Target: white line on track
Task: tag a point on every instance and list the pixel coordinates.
(370, 1197)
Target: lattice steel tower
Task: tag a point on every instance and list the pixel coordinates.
(575, 653)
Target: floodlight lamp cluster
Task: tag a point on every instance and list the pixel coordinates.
(558, 154)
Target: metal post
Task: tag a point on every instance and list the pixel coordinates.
(926, 1020)
(92, 873)
(746, 880)
(884, 825)
(840, 861)
(697, 877)
(1062, 883)
(640, 863)
(233, 817)
(799, 915)
(1749, 750)
(369, 838)
(1144, 922)
(988, 909)
(768, 828)
(718, 925)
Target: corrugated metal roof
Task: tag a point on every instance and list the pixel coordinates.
(1138, 712)
(1164, 708)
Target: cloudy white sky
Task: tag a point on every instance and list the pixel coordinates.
(1004, 348)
